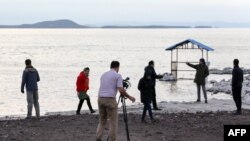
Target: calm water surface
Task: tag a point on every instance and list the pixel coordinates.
(60, 54)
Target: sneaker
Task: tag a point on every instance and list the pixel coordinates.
(92, 111)
(205, 101)
(198, 100)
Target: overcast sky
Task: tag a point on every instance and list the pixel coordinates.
(124, 11)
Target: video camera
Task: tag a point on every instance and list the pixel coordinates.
(126, 83)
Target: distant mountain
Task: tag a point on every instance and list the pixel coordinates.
(48, 24)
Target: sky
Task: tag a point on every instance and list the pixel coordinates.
(87, 12)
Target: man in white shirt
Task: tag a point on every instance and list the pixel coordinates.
(111, 82)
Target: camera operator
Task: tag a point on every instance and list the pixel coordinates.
(111, 81)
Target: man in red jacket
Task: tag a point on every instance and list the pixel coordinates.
(82, 86)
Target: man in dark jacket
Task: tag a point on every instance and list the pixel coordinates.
(201, 73)
(29, 79)
(237, 80)
(145, 87)
(154, 76)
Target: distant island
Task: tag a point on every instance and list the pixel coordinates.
(147, 26)
(64, 23)
(48, 24)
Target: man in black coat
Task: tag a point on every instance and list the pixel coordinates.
(237, 80)
(154, 76)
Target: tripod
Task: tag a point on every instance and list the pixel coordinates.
(125, 116)
(126, 85)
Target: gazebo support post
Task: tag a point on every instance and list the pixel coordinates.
(171, 61)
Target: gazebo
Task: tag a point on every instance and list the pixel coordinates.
(188, 44)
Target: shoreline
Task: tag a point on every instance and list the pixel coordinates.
(173, 107)
(169, 126)
(177, 121)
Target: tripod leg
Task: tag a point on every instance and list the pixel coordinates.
(125, 118)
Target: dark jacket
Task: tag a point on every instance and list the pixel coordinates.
(145, 87)
(29, 79)
(201, 73)
(237, 78)
(153, 74)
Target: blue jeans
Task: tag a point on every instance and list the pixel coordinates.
(147, 107)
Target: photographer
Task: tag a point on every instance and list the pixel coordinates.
(111, 81)
(145, 87)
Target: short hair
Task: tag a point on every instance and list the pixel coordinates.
(236, 62)
(114, 64)
(202, 60)
(27, 62)
(86, 69)
(151, 62)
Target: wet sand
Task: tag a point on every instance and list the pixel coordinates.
(169, 127)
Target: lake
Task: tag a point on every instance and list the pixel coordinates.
(60, 54)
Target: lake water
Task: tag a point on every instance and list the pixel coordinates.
(60, 54)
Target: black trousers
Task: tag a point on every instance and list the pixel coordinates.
(80, 105)
(154, 99)
(237, 97)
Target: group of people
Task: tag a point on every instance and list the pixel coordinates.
(111, 82)
(237, 79)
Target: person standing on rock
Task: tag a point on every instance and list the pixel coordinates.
(201, 73)
(29, 79)
(237, 80)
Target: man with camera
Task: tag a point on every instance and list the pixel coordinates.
(111, 82)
